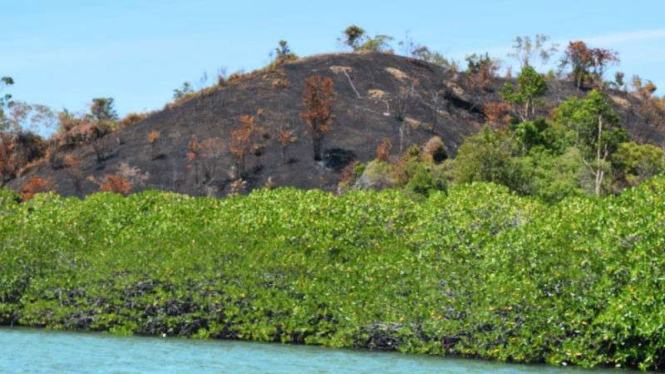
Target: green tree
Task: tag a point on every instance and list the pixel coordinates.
(354, 37)
(427, 178)
(591, 125)
(552, 176)
(379, 43)
(532, 134)
(530, 87)
(633, 163)
(587, 64)
(488, 157)
(526, 49)
(283, 53)
(4, 100)
(102, 109)
(183, 91)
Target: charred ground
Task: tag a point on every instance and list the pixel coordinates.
(372, 92)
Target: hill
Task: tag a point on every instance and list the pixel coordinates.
(373, 91)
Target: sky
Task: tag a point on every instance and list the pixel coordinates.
(64, 53)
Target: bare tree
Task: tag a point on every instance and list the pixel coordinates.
(403, 102)
(526, 49)
(211, 151)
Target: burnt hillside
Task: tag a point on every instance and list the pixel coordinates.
(371, 88)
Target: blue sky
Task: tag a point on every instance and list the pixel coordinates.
(63, 53)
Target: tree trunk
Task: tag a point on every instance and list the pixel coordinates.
(240, 167)
(401, 137)
(317, 149)
(599, 172)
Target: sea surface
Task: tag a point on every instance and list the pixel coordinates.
(40, 351)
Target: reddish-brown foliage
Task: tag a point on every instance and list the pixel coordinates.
(588, 64)
(153, 139)
(115, 184)
(18, 150)
(286, 137)
(497, 114)
(482, 71)
(318, 98)
(132, 118)
(36, 185)
(153, 136)
(193, 148)
(8, 162)
(241, 143)
(383, 150)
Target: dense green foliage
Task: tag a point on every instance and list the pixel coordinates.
(477, 271)
(582, 150)
(530, 86)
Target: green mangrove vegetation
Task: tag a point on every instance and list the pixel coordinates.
(476, 271)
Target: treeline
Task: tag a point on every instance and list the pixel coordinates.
(477, 271)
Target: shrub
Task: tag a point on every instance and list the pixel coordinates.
(132, 118)
(383, 150)
(435, 150)
(115, 184)
(635, 163)
(377, 175)
(426, 179)
(36, 185)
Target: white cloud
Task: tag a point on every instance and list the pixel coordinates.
(627, 37)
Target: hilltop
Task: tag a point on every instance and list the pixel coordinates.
(373, 90)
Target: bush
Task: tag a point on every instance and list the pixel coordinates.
(377, 175)
(636, 163)
(426, 179)
(488, 157)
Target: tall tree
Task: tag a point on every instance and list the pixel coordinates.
(183, 91)
(527, 49)
(593, 128)
(102, 109)
(354, 36)
(318, 98)
(405, 98)
(587, 64)
(4, 100)
(241, 143)
(283, 53)
(530, 87)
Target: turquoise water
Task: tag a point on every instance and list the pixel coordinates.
(38, 351)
